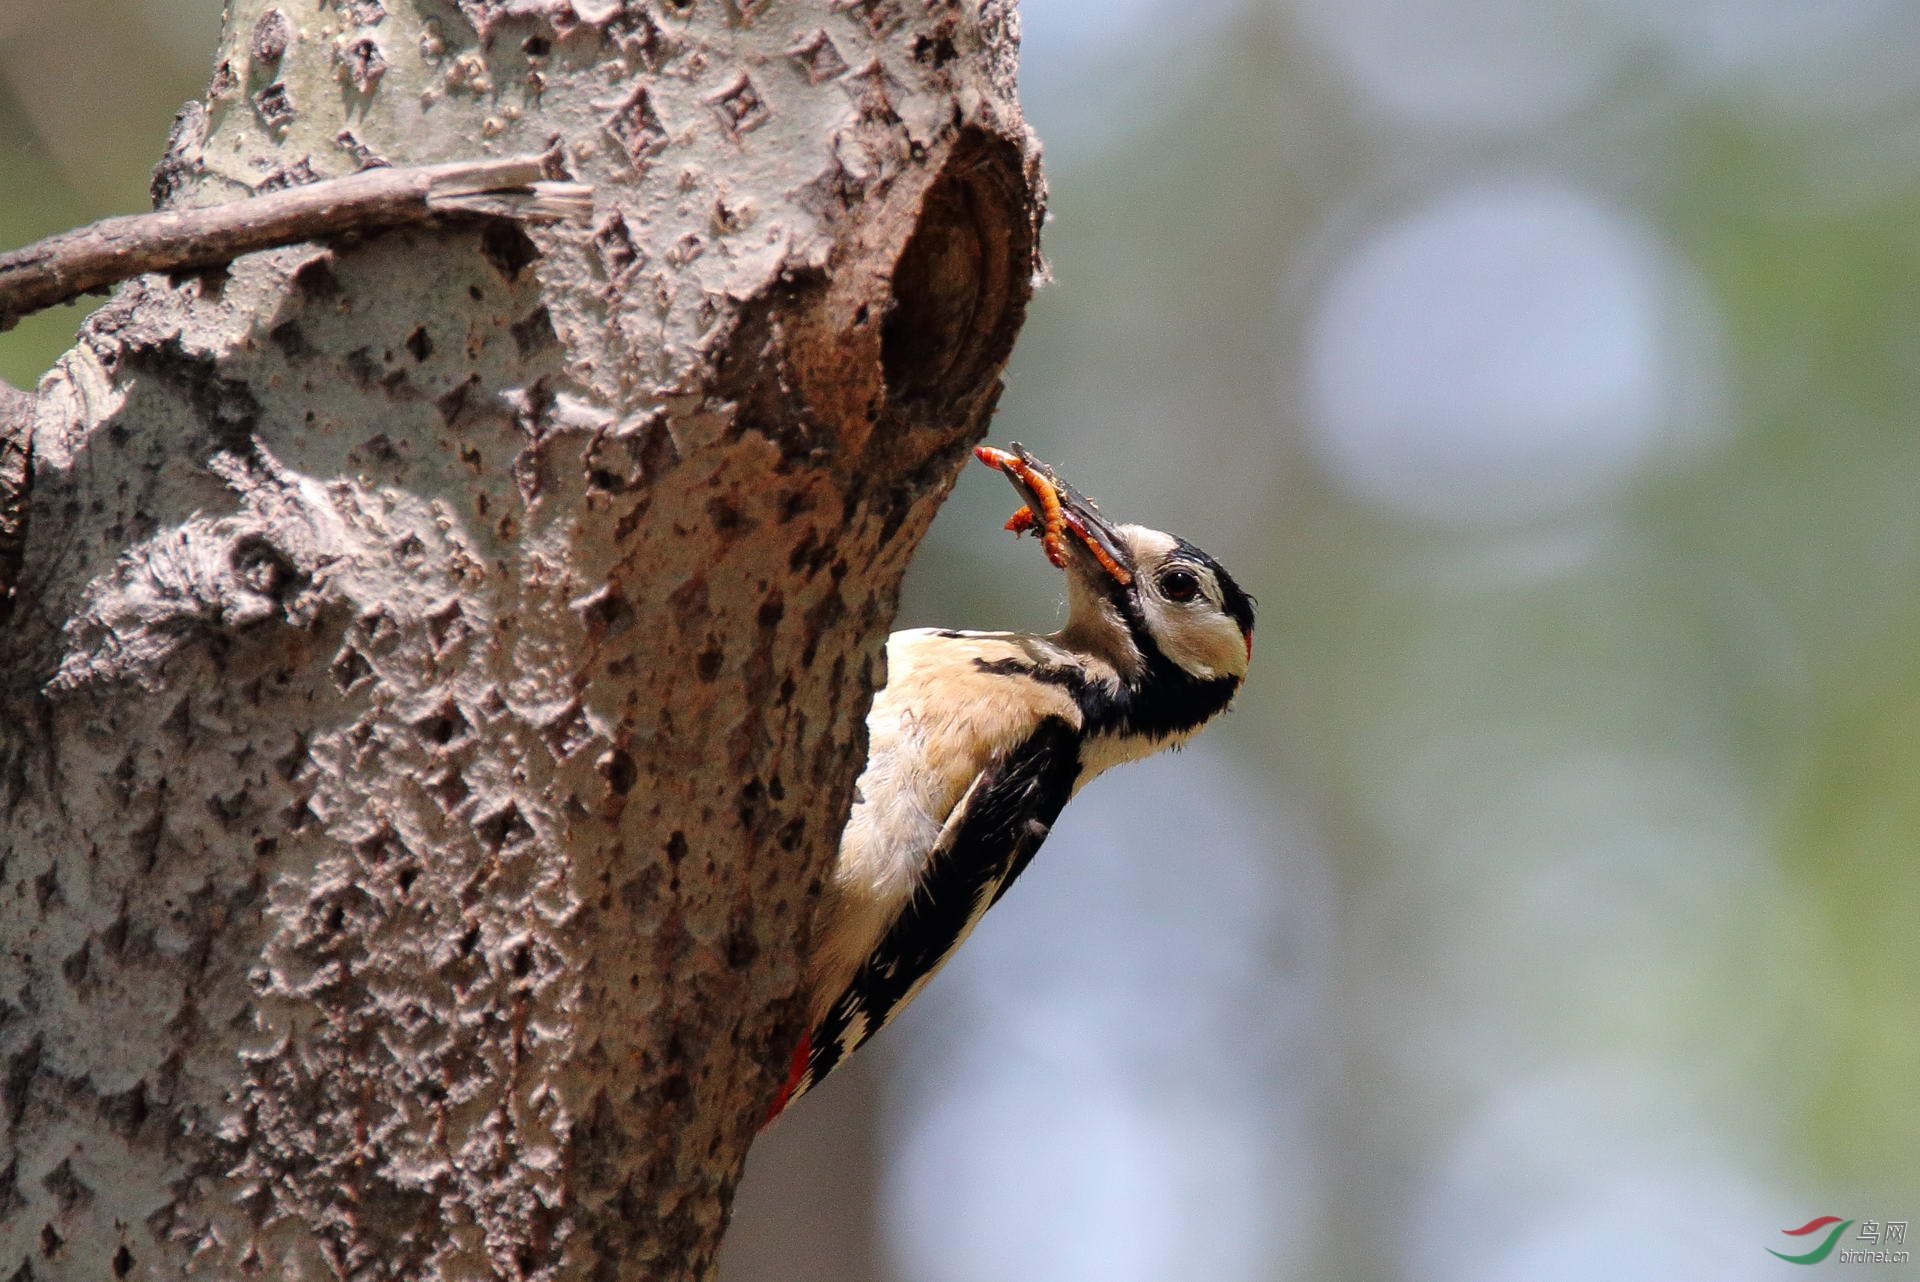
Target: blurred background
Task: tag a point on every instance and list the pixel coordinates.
(1547, 909)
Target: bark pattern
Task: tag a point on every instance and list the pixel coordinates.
(16, 475)
(439, 659)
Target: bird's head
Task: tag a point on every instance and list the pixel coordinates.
(1134, 594)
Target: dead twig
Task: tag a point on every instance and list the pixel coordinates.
(63, 267)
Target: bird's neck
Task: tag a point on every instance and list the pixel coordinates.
(1098, 628)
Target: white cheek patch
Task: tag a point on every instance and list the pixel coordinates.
(1201, 640)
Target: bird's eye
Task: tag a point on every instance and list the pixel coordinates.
(1179, 585)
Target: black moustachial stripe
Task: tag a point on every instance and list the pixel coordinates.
(1010, 812)
(1165, 699)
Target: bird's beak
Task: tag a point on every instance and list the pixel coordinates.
(1058, 512)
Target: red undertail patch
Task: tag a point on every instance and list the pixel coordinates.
(796, 1073)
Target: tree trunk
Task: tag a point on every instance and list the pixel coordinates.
(436, 668)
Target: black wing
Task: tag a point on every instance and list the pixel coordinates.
(1006, 814)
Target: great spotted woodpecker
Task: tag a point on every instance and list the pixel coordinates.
(979, 739)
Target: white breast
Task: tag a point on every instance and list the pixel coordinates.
(936, 725)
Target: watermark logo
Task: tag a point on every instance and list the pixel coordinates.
(1820, 1252)
(1879, 1238)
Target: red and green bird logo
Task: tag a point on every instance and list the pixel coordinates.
(1820, 1252)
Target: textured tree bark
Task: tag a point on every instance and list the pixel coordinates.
(437, 662)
